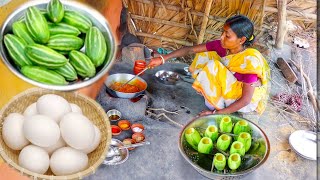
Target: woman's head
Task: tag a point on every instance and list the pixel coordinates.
(237, 31)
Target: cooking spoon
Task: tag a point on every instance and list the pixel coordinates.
(114, 151)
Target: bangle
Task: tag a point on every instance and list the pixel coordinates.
(162, 59)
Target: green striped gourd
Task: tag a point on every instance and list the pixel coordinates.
(63, 28)
(16, 48)
(223, 142)
(67, 71)
(65, 42)
(234, 161)
(192, 137)
(44, 56)
(55, 11)
(226, 124)
(219, 161)
(43, 75)
(205, 146)
(19, 29)
(82, 64)
(96, 48)
(37, 25)
(77, 20)
(238, 147)
(241, 126)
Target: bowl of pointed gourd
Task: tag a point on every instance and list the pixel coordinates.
(223, 146)
(57, 44)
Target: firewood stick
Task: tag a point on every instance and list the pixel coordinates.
(310, 91)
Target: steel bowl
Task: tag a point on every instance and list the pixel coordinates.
(123, 78)
(167, 77)
(253, 159)
(97, 19)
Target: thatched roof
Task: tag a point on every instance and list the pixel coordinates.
(173, 23)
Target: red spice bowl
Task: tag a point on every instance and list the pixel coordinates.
(124, 124)
(116, 130)
(138, 137)
(137, 128)
(129, 141)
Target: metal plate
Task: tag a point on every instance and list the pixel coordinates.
(167, 77)
(304, 143)
(255, 157)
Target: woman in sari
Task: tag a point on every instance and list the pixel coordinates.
(230, 76)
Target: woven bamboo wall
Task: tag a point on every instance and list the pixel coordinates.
(301, 12)
(174, 23)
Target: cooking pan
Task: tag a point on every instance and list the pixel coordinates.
(122, 78)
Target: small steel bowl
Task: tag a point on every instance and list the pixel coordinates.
(113, 112)
(97, 19)
(117, 159)
(167, 77)
(123, 78)
(255, 157)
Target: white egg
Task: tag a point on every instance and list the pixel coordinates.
(96, 141)
(77, 130)
(67, 160)
(75, 108)
(31, 110)
(34, 158)
(12, 131)
(53, 106)
(41, 130)
(56, 146)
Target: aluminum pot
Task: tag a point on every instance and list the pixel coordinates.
(254, 158)
(122, 78)
(97, 19)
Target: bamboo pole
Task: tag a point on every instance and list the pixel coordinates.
(162, 38)
(204, 21)
(180, 9)
(293, 13)
(282, 26)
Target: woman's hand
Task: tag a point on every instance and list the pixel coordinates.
(206, 112)
(154, 62)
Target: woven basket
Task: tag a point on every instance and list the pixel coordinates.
(90, 109)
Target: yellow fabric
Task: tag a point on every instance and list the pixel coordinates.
(215, 81)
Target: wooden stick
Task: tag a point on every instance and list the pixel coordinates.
(282, 23)
(310, 91)
(204, 21)
(162, 38)
(306, 16)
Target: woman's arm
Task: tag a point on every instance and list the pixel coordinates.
(247, 93)
(157, 61)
